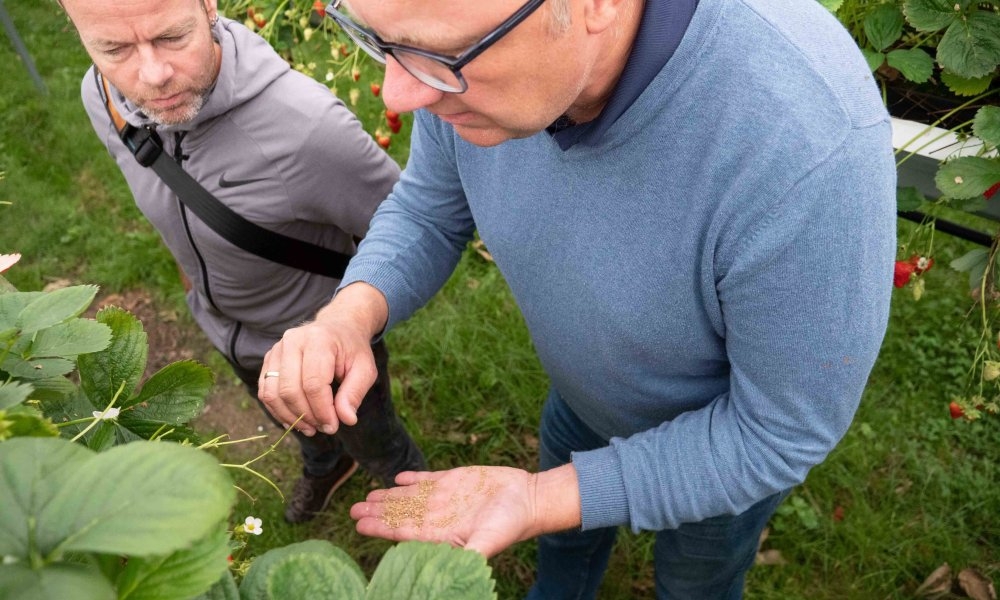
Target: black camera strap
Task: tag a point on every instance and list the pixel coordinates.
(147, 147)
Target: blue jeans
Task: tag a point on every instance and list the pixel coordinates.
(378, 441)
(707, 560)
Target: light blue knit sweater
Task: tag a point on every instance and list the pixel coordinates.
(708, 286)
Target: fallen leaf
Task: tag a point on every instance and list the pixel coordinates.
(480, 247)
(763, 537)
(57, 284)
(976, 585)
(770, 557)
(838, 513)
(937, 583)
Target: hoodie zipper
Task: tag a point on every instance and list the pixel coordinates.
(180, 157)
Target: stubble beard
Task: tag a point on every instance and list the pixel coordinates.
(177, 115)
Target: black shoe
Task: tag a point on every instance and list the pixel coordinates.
(312, 494)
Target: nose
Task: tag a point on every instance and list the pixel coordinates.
(403, 92)
(154, 71)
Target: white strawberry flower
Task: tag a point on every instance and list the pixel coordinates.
(8, 260)
(253, 525)
(108, 415)
(923, 262)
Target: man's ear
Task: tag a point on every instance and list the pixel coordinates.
(602, 14)
(211, 8)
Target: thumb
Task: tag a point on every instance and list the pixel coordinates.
(350, 394)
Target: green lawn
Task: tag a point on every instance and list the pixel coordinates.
(907, 489)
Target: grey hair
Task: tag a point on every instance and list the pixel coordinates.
(559, 15)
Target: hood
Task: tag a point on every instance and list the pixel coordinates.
(242, 75)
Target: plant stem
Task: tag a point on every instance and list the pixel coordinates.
(106, 408)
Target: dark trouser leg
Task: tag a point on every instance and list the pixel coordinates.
(570, 564)
(379, 442)
(709, 560)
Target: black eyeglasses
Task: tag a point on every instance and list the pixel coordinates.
(439, 71)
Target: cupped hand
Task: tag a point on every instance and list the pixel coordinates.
(485, 509)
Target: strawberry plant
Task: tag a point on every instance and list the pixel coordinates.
(311, 43)
(940, 60)
(953, 43)
(98, 504)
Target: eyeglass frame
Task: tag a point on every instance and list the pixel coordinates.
(453, 63)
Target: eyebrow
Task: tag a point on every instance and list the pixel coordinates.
(174, 30)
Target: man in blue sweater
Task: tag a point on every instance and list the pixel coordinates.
(693, 202)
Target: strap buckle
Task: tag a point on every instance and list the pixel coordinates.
(143, 142)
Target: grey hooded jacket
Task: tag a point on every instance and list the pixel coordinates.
(281, 150)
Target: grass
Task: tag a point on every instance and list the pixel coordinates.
(915, 489)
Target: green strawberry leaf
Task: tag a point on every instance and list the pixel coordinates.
(932, 15)
(915, 64)
(974, 262)
(132, 426)
(964, 86)
(123, 361)
(11, 306)
(174, 394)
(255, 585)
(986, 125)
(13, 393)
(224, 589)
(76, 581)
(55, 307)
(873, 58)
(313, 576)
(909, 198)
(39, 368)
(413, 570)
(971, 46)
(53, 389)
(182, 574)
(143, 499)
(32, 470)
(883, 25)
(967, 176)
(69, 338)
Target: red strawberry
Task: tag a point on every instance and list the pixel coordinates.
(838, 513)
(376, 88)
(355, 73)
(251, 12)
(343, 49)
(395, 126)
(993, 190)
(904, 270)
(391, 115)
(319, 7)
(956, 410)
(384, 141)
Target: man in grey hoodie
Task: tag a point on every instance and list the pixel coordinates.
(277, 148)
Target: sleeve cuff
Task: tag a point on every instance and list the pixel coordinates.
(603, 501)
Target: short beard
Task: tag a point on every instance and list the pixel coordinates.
(180, 115)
